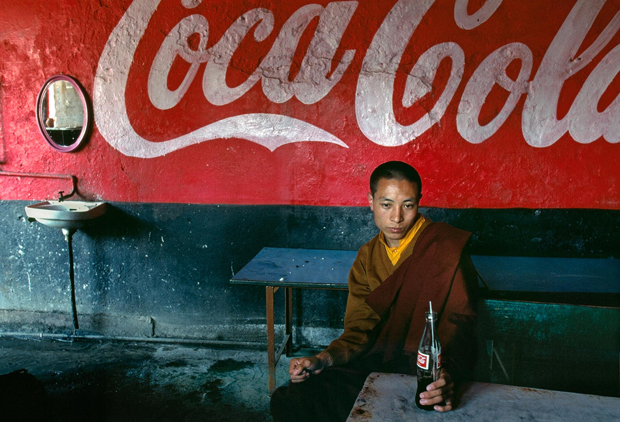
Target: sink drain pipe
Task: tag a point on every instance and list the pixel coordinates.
(69, 238)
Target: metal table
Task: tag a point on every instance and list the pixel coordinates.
(390, 398)
(291, 269)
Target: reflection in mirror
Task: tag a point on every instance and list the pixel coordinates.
(63, 113)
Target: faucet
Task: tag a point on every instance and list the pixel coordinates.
(62, 196)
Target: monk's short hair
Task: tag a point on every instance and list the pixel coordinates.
(395, 170)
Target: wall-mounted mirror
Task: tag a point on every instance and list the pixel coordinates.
(63, 113)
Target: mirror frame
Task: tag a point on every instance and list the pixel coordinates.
(85, 106)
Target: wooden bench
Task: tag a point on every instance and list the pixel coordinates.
(559, 281)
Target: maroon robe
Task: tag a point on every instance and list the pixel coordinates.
(438, 271)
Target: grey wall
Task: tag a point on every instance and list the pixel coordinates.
(162, 270)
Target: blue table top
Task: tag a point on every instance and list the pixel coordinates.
(308, 268)
(565, 275)
(329, 269)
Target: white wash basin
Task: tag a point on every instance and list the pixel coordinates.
(69, 215)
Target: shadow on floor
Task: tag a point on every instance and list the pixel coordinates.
(108, 381)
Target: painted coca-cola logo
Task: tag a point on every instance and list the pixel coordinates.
(374, 97)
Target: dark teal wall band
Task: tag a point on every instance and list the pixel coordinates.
(172, 262)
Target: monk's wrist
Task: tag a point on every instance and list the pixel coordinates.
(325, 358)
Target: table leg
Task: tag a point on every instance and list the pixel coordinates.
(271, 340)
(288, 322)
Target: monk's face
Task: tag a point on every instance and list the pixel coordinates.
(395, 208)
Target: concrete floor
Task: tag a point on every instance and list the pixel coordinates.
(120, 381)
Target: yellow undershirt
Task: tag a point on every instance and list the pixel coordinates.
(394, 253)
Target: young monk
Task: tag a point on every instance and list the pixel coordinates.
(410, 262)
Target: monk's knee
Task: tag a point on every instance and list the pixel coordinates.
(280, 405)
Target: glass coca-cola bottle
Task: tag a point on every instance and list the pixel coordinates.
(429, 358)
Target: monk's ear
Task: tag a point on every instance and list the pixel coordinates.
(369, 196)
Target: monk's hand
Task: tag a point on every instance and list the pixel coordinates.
(301, 368)
(439, 393)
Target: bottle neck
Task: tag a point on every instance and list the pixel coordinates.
(431, 317)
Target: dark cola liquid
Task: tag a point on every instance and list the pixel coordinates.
(423, 382)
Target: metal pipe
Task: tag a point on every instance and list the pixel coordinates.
(167, 340)
(47, 176)
(2, 141)
(69, 239)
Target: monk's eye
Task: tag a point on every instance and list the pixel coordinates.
(385, 205)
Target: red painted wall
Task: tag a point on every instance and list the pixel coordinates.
(498, 104)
